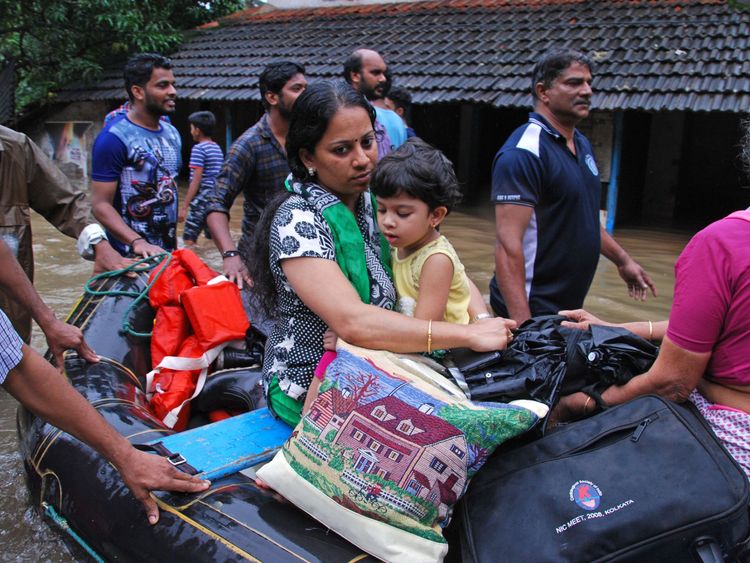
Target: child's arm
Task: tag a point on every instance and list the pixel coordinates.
(477, 306)
(195, 184)
(434, 287)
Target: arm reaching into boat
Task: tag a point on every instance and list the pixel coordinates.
(651, 330)
(36, 385)
(60, 336)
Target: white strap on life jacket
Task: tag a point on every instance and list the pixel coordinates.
(184, 364)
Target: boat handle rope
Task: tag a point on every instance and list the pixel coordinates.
(142, 265)
(62, 523)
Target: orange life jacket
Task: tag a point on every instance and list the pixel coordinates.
(198, 313)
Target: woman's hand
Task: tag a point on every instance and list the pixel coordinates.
(570, 407)
(581, 319)
(487, 335)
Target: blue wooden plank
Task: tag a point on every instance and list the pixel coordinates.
(230, 445)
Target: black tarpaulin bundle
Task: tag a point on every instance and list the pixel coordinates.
(545, 359)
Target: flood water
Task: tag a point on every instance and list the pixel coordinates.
(60, 275)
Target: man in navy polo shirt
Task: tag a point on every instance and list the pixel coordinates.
(546, 190)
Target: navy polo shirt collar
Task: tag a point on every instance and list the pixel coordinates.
(538, 119)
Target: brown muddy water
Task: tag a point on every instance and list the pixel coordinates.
(60, 275)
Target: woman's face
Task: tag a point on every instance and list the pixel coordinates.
(345, 156)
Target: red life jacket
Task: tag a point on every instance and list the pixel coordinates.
(198, 313)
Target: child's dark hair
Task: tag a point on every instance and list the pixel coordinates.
(419, 170)
(203, 120)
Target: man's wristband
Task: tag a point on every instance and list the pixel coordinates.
(132, 242)
(92, 235)
(230, 253)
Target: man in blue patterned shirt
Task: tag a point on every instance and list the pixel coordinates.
(255, 165)
(135, 161)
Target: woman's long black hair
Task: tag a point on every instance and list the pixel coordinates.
(312, 113)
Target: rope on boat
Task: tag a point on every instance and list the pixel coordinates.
(142, 265)
(62, 523)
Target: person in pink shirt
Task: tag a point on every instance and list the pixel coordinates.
(704, 353)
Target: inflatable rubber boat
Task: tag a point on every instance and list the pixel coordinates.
(234, 520)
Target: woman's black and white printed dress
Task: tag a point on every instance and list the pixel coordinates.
(295, 344)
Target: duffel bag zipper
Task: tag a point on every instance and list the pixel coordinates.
(640, 428)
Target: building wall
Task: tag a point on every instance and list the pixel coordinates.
(66, 133)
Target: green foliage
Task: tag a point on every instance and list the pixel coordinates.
(740, 4)
(488, 427)
(310, 428)
(336, 462)
(56, 42)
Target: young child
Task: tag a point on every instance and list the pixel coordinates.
(416, 188)
(206, 160)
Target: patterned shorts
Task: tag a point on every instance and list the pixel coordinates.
(10, 347)
(195, 222)
(730, 425)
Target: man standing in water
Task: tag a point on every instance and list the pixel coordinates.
(135, 161)
(255, 165)
(30, 180)
(546, 190)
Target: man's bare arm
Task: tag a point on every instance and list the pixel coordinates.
(511, 222)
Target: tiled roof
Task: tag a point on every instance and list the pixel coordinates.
(649, 54)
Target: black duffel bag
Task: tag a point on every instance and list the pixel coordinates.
(642, 481)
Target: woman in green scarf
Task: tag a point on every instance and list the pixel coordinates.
(320, 260)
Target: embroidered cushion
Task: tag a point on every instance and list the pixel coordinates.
(387, 449)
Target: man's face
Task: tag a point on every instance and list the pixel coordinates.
(391, 105)
(289, 94)
(569, 96)
(371, 80)
(159, 94)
